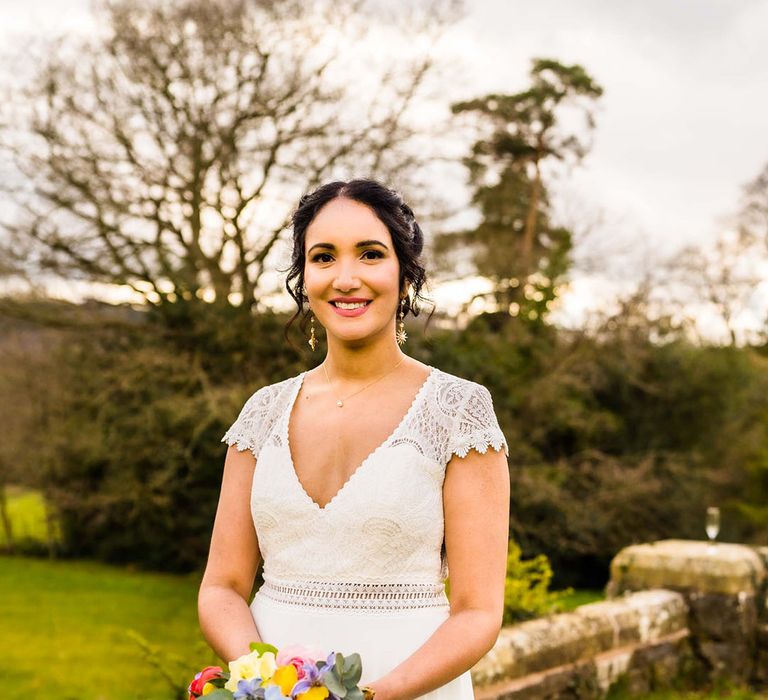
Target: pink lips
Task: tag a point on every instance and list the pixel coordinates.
(350, 312)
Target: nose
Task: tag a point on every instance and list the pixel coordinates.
(345, 278)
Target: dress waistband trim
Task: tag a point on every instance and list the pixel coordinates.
(358, 596)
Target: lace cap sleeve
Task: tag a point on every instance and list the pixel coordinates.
(475, 425)
(253, 423)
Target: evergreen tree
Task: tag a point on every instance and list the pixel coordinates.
(517, 245)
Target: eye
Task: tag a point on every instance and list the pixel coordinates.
(316, 258)
(377, 253)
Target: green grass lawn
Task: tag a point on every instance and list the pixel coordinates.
(580, 597)
(65, 631)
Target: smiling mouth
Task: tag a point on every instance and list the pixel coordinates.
(349, 305)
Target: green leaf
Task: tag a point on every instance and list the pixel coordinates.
(332, 682)
(220, 694)
(354, 694)
(263, 647)
(340, 664)
(353, 669)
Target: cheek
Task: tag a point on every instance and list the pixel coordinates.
(385, 277)
(312, 279)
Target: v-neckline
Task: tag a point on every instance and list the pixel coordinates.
(287, 441)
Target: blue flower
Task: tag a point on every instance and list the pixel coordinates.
(273, 692)
(250, 690)
(330, 662)
(314, 676)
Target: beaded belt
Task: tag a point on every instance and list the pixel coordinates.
(356, 596)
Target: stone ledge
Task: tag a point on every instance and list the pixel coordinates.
(728, 569)
(645, 665)
(550, 642)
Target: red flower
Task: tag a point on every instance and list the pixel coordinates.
(195, 688)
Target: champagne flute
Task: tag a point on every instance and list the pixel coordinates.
(712, 525)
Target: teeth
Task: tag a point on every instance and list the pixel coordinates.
(345, 305)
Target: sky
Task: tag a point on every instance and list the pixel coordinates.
(681, 126)
(682, 123)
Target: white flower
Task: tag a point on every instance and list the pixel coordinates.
(249, 666)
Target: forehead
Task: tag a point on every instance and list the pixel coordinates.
(344, 221)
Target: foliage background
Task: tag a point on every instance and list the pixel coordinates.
(150, 168)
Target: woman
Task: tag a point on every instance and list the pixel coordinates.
(368, 476)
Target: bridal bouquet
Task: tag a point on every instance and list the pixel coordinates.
(293, 673)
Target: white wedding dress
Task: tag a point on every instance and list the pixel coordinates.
(365, 573)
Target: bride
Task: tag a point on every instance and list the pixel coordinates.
(361, 482)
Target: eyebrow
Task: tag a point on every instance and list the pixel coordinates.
(360, 244)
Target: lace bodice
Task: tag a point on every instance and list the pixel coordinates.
(383, 530)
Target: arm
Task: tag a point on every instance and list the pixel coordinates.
(222, 604)
(476, 494)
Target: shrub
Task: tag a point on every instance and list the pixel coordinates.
(526, 593)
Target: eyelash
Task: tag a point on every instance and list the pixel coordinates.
(378, 254)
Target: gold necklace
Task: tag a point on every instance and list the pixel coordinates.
(340, 402)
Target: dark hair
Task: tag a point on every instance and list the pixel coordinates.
(394, 213)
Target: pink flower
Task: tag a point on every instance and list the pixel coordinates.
(297, 655)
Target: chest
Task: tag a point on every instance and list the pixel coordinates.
(328, 444)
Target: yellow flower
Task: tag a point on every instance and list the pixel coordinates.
(209, 688)
(284, 676)
(250, 666)
(316, 692)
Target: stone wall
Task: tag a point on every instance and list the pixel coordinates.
(674, 608)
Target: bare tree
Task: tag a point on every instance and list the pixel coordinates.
(753, 217)
(723, 277)
(717, 282)
(165, 155)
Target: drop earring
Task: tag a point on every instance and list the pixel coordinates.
(401, 335)
(312, 340)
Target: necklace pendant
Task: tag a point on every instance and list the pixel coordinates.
(339, 403)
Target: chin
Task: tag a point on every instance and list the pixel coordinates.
(355, 338)
(352, 337)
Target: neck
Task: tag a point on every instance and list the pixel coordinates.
(357, 364)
